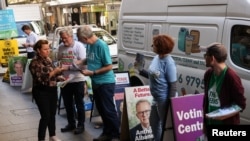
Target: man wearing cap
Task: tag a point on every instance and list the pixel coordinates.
(223, 87)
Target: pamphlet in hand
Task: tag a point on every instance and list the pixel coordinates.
(63, 83)
(224, 113)
(76, 66)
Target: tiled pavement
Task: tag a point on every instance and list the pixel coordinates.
(19, 118)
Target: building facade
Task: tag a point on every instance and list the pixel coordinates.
(103, 13)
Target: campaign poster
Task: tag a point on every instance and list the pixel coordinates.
(187, 117)
(16, 69)
(121, 82)
(8, 48)
(138, 104)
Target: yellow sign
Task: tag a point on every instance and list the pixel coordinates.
(8, 48)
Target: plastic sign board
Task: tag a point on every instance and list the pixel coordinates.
(121, 82)
(8, 48)
(187, 114)
(17, 70)
(8, 27)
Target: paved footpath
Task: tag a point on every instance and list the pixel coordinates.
(19, 118)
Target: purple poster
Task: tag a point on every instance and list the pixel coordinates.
(187, 117)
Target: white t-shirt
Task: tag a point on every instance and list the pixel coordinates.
(31, 39)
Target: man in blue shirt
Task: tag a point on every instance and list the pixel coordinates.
(99, 66)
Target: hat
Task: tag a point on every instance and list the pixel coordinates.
(205, 48)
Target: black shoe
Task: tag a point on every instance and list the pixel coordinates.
(68, 128)
(79, 130)
(103, 137)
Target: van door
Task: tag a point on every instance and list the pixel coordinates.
(237, 39)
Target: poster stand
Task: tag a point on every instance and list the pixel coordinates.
(187, 117)
(136, 114)
(183, 121)
(124, 124)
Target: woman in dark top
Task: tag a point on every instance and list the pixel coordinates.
(44, 91)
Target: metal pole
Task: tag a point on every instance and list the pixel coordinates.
(3, 4)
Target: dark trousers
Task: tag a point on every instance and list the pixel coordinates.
(46, 100)
(104, 100)
(73, 94)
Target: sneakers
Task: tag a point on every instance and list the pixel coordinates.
(68, 128)
(54, 138)
(103, 137)
(79, 130)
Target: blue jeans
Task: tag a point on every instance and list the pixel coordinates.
(104, 100)
(158, 118)
(73, 93)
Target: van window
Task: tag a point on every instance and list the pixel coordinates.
(240, 46)
(40, 27)
(19, 26)
(36, 26)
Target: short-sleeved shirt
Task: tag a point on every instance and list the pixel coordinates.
(98, 55)
(162, 71)
(67, 55)
(31, 39)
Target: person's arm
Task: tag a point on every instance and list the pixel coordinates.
(57, 71)
(103, 69)
(98, 71)
(31, 40)
(173, 89)
(236, 89)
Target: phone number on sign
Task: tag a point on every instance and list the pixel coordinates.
(191, 81)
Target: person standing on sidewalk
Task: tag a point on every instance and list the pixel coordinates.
(32, 38)
(44, 90)
(162, 81)
(222, 87)
(103, 82)
(73, 93)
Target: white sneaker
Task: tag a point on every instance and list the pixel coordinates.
(54, 138)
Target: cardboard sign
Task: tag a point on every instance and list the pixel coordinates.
(121, 81)
(8, 48)
(17, 68)
(187, 114)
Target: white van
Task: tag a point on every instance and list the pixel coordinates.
(192, 23)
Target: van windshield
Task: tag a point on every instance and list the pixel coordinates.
(19, 25)
(36, 26)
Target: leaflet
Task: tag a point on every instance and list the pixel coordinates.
(64, 83)
(224, 111)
